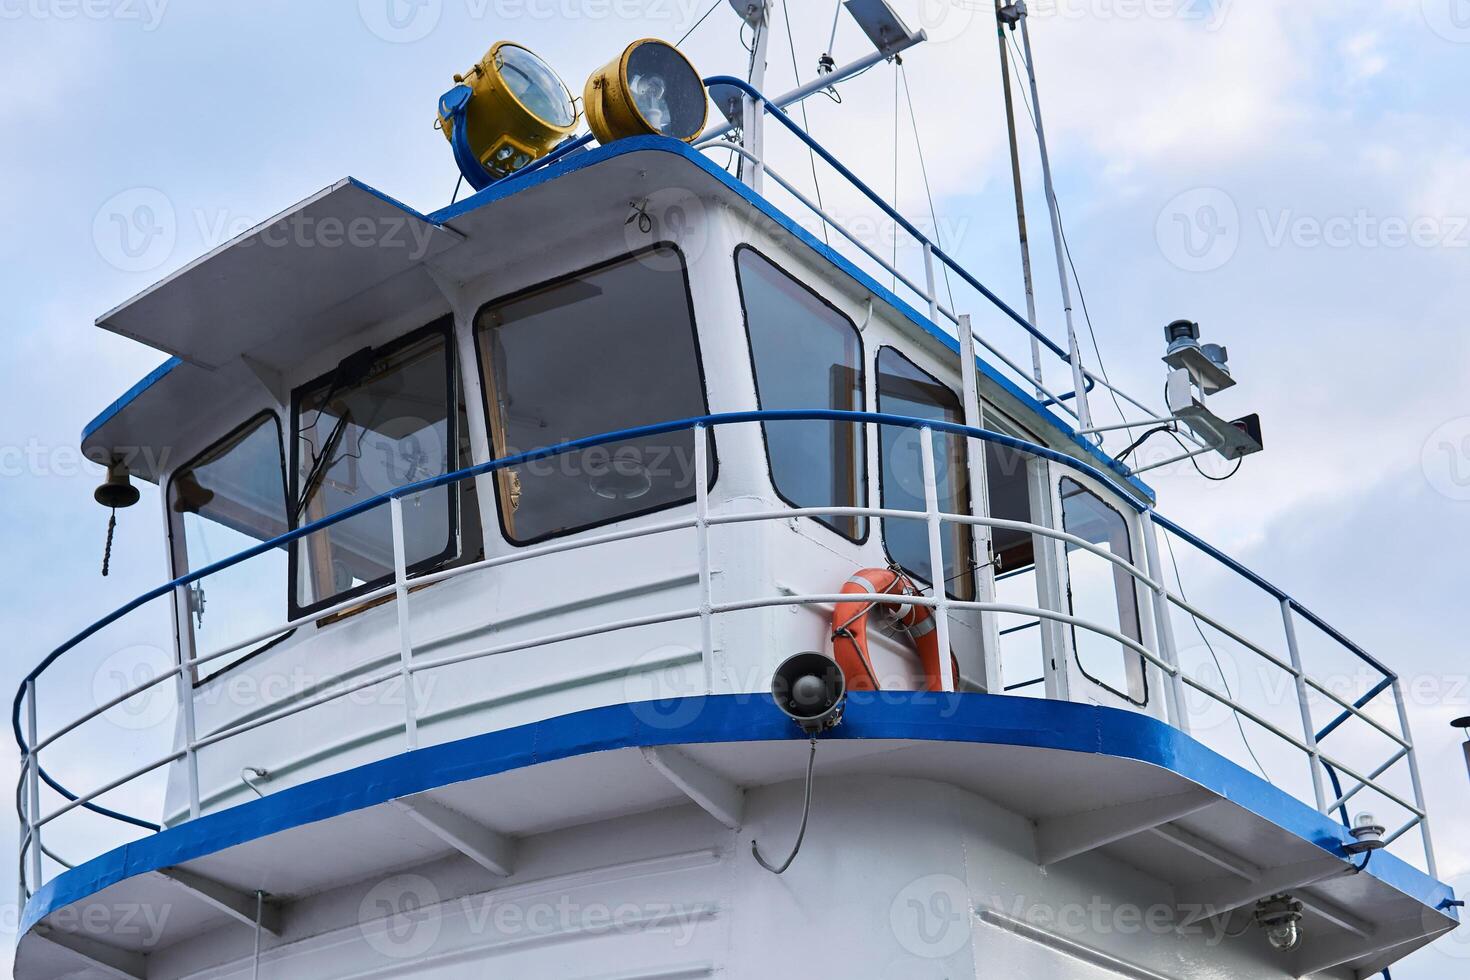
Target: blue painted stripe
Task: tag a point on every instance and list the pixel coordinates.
(128, 397)
(979, 719)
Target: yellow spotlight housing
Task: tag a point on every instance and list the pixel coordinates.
(519, 109)
(650, 89)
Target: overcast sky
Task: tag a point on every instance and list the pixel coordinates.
(1295, 176)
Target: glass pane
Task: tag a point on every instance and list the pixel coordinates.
(609, 349)
(668, 93)
(1101, 592)
(1007, 475)
(371, 426)
(807, 356)
(537, 87)
(904, 389)
(232, 498)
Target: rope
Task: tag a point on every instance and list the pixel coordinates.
(107, 550)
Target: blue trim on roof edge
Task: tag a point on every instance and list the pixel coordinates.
(969, 718)
(129, 396)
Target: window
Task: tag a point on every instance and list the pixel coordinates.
(383, 419)
(608, 348)
(1009, 480)
(806, 355)
(229, 498)
(905, 389)
(1098, 591)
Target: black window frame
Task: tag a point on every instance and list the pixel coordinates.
(862, 387)
(487, 408)
(1133, 584)
(443, 325)
(968, 530)
(182, 536)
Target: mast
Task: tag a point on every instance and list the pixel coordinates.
(1013, 14)
(1005, 77)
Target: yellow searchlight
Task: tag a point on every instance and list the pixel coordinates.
(650, 89)
(510, 109)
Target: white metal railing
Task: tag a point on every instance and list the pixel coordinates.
(1158, 647)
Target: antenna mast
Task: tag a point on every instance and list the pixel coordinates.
(1011, 15)
(1005, 76)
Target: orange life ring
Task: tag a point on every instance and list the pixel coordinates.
(850, 628)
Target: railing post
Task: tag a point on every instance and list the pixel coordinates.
(184, 684)
(405, 640)
(932, 295)
(936, 560)
(1309, 729)
(982, 536)
(1398, 699)
(1174, 697)
(33, 775)
(701, 533)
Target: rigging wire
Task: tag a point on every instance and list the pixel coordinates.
(805, 123)
(1067, 252)
(457, 185)
(702, 19)
(924, 170)
(1214, 656)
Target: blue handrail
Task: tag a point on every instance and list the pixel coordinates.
(480, 469)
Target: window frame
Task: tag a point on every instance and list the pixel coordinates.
(487, 408)
(967, 535)
(178, 535)
(1143, 664)
(862, 386)
(443, 326)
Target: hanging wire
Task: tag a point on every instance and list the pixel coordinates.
(1067, 252)
(805, 123)
(924, 170)
(701, 20)
(259, 915)
(1214, 656)
(806, 812)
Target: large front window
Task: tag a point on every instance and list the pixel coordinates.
(607, 349)
(228, 499)
(905, 389)
(807, 356)
(383, 419)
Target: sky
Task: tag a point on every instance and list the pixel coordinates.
(1293, 176)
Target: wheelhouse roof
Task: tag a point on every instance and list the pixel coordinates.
(302, 282)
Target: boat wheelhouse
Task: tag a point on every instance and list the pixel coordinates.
(488, 530)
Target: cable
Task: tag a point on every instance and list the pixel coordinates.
(1141, 440)
(457, 185)
(924, 170)
(1198, 469)
(805, 123)
(806, 812)
(1215, 656)
(701, 20)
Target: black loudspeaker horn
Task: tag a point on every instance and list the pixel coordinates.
(811, 689)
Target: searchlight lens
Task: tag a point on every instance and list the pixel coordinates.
(650, 89)
(537, 87)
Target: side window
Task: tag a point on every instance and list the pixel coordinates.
(609, 348)
(905, 389)
(1099, 591)
(806, 356)
(229, 498)
(383, 419)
